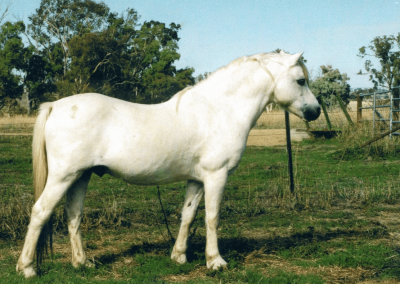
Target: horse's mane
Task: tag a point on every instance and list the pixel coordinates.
(179, 96)
(270, 56)
(273, 56)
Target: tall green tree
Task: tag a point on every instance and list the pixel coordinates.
(134, 65)
(11, 63)
(102, 61)
(21, 69)
(157, 46)
(330, 84)
(56, 22)
(38, 78)
(92, 49)
(386, 50)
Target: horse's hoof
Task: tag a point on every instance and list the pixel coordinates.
(86, 263)
(178, 257)
(28, 272)
(90, 264)
(216, 263)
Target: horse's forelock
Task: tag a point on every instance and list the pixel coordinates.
(305, 71)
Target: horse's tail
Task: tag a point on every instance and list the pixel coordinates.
(40, 172)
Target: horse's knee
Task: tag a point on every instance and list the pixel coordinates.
(39, 216)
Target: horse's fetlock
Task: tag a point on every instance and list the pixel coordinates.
(178, 256)
(27, 271)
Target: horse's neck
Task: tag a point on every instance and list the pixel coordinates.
(241, 99)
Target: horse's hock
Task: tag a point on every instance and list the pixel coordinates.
(275, 137)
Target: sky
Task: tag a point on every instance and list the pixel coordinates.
(216, 32)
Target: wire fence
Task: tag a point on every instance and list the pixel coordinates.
(383, 110)
(338, 120)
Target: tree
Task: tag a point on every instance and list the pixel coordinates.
(156, 50)
(11, 61)
(384, 49)
(359, 91)
(130, 64)
(102, 61)
(202, 77)
(38, 78)
(78, 46)
(21, 69)
(330, 85)
(56, 22)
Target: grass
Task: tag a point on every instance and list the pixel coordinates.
(341, 226)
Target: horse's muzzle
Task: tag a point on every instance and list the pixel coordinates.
(311, 113)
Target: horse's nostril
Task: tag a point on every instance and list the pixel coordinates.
(312, 113)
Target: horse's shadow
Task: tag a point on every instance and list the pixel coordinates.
(240, 247)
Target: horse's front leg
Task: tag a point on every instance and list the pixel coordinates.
(194, 194)
(214, 187)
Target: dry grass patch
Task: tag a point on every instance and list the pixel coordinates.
(276, 120)
(332, 274)
(17, 119)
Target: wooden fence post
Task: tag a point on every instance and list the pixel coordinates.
(328, 122)
(359, 105)
(343, 109)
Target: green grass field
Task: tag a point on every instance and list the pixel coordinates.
(342, 225)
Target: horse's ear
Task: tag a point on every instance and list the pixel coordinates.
(293, 59)
(282, 52)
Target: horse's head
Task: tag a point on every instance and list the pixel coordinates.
(292, 90)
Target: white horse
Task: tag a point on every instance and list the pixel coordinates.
(199, 135)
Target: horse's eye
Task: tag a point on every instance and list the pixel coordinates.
(301, 82)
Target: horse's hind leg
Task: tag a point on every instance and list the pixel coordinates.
(74, 209)
(55, 189)
(194, 194)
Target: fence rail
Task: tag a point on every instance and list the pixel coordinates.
(393, 108)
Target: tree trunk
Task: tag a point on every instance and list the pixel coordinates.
(29, 103)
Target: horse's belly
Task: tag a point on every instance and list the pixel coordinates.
(150, 166)
(151, 175)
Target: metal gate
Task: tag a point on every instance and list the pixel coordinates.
(377, 115)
